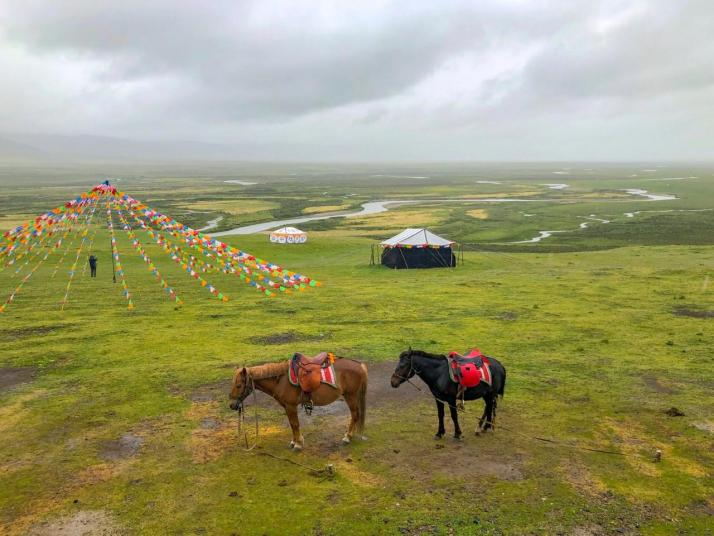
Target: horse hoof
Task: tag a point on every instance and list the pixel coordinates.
(292, 444)
(345, 440)
(438, 436)
(457, 437)
(297, 448)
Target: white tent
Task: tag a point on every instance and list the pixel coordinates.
(288, 235)
(418, 248)
(416, 238)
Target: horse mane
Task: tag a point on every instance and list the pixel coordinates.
(422, 353)
(268, 370)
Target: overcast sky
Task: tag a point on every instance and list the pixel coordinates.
(369, 80)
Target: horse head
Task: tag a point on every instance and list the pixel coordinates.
(241, 387)
(404, 370)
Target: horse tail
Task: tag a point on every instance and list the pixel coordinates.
(502, 387)
(362, 401)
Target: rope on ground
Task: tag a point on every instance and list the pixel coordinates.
(560, 443)
(535, 438)
(328, 471)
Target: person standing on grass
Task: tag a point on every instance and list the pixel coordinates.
(93, 265)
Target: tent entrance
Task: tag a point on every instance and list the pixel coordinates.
(407, 258)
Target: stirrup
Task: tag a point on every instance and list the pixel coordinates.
(308, 406)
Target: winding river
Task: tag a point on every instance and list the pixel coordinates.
(369, 208)
(376, 207)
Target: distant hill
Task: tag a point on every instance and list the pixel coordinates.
(12, 149)
(105, 148)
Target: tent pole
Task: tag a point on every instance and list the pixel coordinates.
(406, 265)
(439, 258)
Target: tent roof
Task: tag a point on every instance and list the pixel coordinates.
(417, 237)
(288, 230)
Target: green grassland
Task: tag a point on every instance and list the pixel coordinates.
(123, 414)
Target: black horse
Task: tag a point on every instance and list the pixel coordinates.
(433, 369)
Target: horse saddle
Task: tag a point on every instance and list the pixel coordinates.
(469, 370)
(309, 369)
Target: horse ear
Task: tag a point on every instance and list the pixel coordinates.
(243, 372)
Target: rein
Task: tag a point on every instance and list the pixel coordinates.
(241, 418)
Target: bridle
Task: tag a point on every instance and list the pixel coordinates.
(409, 375)
(412, 370)
(247, 390)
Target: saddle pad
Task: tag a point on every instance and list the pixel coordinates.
(327, 375)
(484, 369)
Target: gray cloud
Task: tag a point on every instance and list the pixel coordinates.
(430, 80)
(253, 58)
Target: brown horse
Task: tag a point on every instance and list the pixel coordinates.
(272, 379)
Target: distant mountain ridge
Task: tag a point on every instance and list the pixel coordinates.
(88, 147)
(17, 150)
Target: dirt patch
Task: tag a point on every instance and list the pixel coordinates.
(209, 392)
(288, 337)
(509, 316)
(33, 331)
(126, 446)
(500, 467)
(589, 530)
(207, 445)
(674, 412)
(693, 313)
(210, 423)
(576, 473)
(213, 437)
(381, 393)
(653, 383)
(101, 472)
(12, 376)
(474, 457)
(82, 523)
(705, 426)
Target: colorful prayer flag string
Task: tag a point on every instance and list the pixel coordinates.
(195, 252)
(27, 277)
(140, 250)
(179, 256)
(73, 269)
(117, 260)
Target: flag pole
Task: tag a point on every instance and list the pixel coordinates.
(114, 272)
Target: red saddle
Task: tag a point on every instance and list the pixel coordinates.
(469, 370)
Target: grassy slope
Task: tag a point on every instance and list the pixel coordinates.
(583, 334)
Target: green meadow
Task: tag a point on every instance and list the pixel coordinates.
(116, 421)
